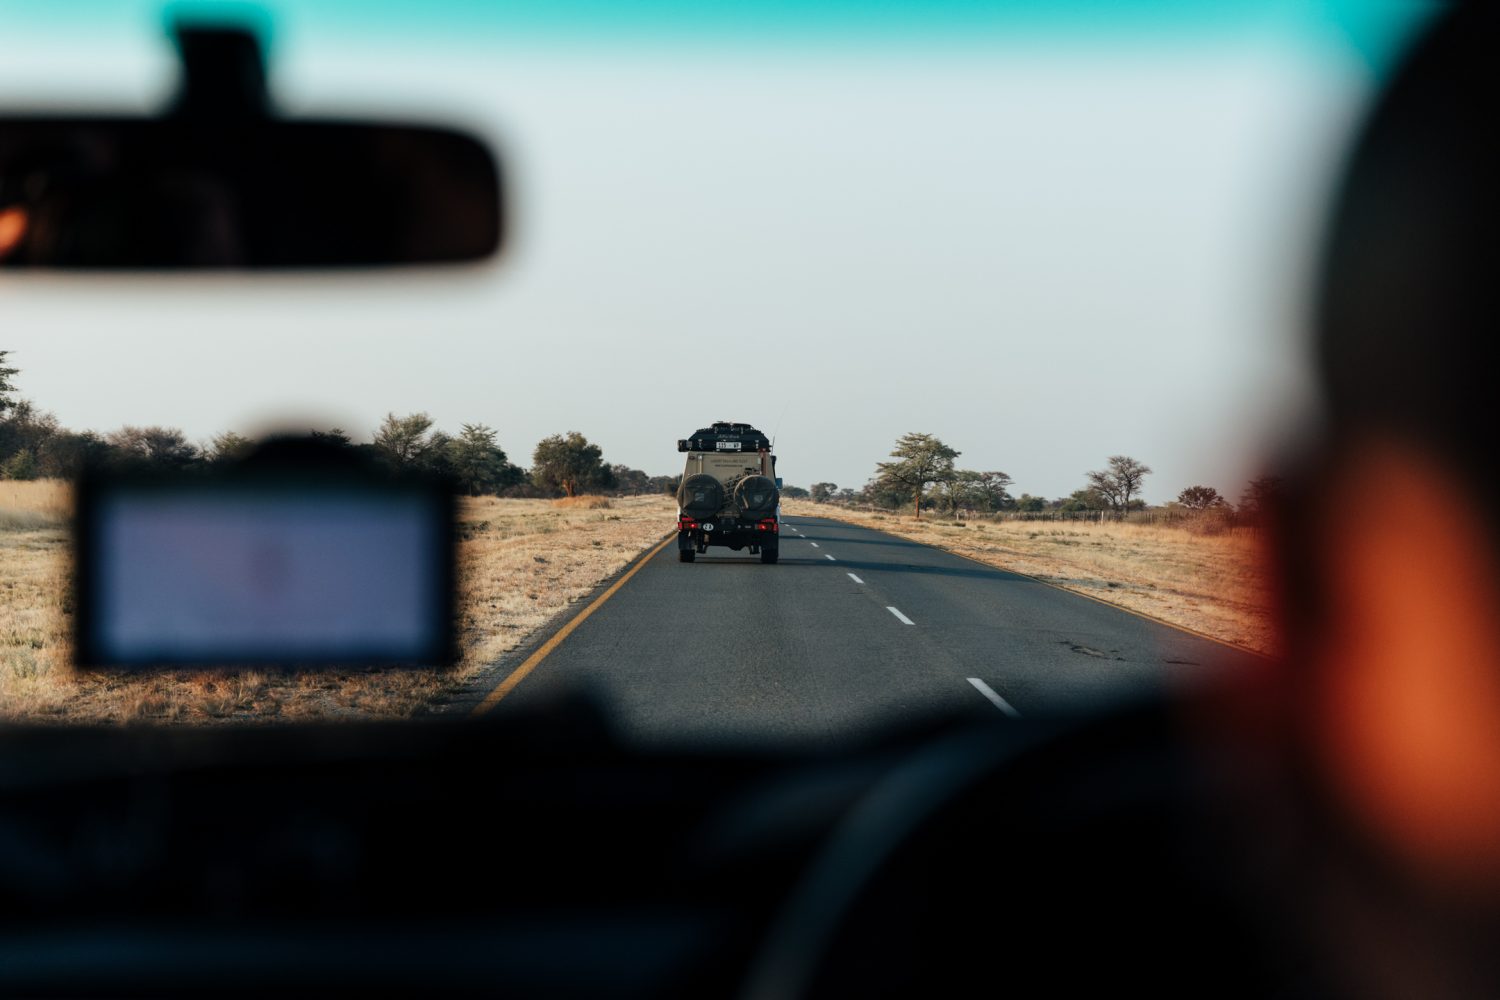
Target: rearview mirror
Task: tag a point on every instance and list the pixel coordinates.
(220, 182)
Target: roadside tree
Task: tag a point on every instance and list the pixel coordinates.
(153, 449)
(1201, 498)
(630, 482)
(67, 453)
(1120, 481)
(961, 491)
(993, 491)
(227, 447)
(569, 464)
(878, 492)
(404, 442)
(1082, 501)
(23, 427)
(921, 461)
(6, 388)
(478, 463)
(20, 465)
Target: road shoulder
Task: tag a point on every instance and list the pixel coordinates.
(1214, 588)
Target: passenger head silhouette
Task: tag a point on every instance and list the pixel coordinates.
(1388, 553)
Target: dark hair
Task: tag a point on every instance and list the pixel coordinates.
(1405, 301)
(1407, 296)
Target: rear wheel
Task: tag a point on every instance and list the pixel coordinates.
(686, 555)
(769, 555)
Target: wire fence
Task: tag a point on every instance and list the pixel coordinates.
(1205, 521)
(1167, 516)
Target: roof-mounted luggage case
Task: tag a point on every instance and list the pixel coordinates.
(725, 436)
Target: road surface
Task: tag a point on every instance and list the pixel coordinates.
(852, 631)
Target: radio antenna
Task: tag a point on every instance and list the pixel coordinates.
(778, 422)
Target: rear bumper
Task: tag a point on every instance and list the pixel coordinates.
(731, 532)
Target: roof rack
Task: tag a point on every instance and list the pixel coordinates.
(725, 435)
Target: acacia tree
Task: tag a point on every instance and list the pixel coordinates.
(478, 462)
(24, 428)
(1200, 498)
(155, 448)
(630, 481)
(227, 447)
(569, 463)
(921, 461)
(1082, 501)
(962, 490)
(6, 389)
(404, 441)
(1119, 481)
(993, 489)
(822, 491)
(67, 453)
(21, 465)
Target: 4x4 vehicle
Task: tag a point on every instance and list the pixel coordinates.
(729, 493)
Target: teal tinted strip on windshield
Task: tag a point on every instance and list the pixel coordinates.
(1376, 28)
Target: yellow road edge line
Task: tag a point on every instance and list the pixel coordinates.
(519, 674)
(1227, 643)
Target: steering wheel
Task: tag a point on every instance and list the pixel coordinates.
(1075, 856)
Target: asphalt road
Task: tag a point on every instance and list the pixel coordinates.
(852, 631)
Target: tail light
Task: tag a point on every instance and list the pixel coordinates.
(686, 524)
(769, 524)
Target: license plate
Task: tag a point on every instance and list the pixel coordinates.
(727, 445)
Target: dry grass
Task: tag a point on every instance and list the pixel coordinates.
(1211, 583)
(41, 503)
(582, 503)
(520, 563)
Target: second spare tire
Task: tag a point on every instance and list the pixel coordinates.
(756, 496)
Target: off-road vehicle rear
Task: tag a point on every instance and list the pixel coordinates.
(729, 493)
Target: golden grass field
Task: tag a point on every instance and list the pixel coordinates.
(520, 563)
(1211, 583)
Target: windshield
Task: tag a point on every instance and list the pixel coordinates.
(1016, 294)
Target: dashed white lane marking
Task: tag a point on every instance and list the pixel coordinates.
(813, 544)
(854, 578)
(904, 620)
(829, 557)
(994, 698)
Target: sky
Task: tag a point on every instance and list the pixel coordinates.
(1045, 239)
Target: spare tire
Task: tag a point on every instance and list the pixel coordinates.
(756, 496)
(700, 495)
